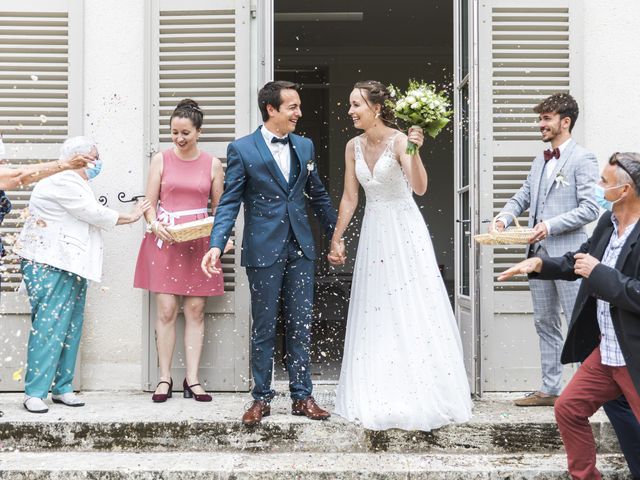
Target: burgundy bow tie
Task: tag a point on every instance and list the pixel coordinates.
(549, 154)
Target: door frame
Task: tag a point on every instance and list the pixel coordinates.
(467, 305)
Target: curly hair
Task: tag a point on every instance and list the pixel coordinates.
(563, 104)
(188, 108)
(376, 93)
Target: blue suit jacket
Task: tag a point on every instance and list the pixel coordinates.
(272, 207)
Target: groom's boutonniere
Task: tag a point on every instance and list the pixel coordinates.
(560, 180)
(311, 165)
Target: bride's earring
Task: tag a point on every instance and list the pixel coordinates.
(378, 115)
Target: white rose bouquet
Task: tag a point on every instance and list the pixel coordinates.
(421, 106)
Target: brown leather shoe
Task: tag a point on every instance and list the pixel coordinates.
(536, 399)
(255, 412)
(309, 408)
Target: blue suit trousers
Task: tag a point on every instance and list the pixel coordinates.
(290, 281)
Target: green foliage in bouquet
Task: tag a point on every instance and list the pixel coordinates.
(421, 106)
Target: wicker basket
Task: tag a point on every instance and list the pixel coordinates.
(191, 230)
(509, 236)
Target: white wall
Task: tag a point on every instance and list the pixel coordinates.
(610, 109)
(114, 96)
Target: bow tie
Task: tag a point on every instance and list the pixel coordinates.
(283, 141)
(549, 154)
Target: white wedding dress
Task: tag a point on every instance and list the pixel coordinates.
(402, 364)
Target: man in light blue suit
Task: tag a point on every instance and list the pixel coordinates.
(558, 193)
(273, 173)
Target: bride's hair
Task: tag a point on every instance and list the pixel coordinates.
(375, 92)
(188, 108)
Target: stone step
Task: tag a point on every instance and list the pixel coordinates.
(307, 466)
(130, 422)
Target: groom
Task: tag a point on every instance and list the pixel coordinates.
(273, 172)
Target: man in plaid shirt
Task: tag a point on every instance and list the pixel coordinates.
(604, 333)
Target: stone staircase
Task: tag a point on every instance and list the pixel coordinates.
(126, 436)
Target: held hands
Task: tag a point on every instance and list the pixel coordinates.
(208, 264)
(415, 135)
(525, 267)
(585, 264)
(337, 254)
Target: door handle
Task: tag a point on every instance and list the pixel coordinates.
(122, 195)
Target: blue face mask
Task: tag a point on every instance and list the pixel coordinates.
(603, 202)
(95, 170)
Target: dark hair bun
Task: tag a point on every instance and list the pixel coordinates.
(188, 108)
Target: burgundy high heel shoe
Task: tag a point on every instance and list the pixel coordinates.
(162, 397)
(188, 393)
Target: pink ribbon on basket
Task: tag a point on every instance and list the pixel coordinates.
(166, 216)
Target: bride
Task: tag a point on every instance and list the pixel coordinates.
(402, 364)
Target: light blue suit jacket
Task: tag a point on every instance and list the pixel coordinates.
(568, 200)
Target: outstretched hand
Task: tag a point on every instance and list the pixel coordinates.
(525, 267)
(78, 161)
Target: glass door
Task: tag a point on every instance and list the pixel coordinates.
(466, 297)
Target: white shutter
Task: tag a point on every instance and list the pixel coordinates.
(201, 50)
(202, 53)
(524, 57)
(40, 105)
(526, 53)
(40, 63)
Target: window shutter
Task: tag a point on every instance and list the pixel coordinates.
(40, 63)
(526, 52)
(201, 50)
(524, 57)
(203, 54)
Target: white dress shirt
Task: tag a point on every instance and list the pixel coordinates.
(280, 151)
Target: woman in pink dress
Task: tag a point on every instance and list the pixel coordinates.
(181, 182)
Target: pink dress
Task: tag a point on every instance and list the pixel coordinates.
(185, 188)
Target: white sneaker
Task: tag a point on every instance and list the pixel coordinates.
(35, 404)
(70, 399)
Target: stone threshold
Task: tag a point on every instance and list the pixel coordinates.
(309, 466)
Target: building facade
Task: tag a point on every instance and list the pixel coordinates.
(114, 71)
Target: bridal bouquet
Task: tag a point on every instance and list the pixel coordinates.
(421, 106)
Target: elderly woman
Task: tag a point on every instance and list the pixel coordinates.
(61, 249)
(11, 178)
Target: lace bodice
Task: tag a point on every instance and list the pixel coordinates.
(387, 182)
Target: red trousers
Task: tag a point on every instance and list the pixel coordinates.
(592, 386)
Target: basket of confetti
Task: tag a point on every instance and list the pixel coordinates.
(191, 230)
(515, 235)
